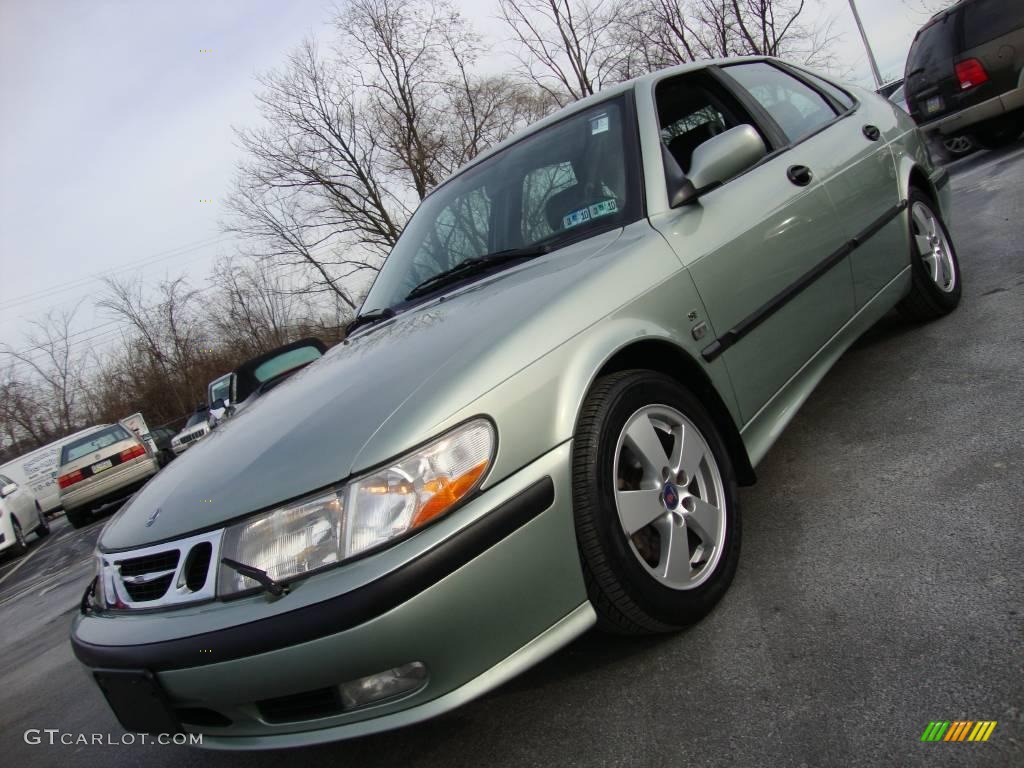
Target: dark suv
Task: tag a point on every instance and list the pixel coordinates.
(965, 72)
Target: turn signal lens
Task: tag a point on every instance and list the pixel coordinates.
(970, 73)
(69, 479)
(134, 452)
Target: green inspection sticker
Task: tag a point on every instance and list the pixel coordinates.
(583, 215)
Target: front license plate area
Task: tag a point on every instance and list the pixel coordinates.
(933, 105)
(99, 466)
(138, 701)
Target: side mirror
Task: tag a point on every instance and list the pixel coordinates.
(716, 161)
(7, 490)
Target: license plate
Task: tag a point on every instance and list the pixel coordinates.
(99, 466)
(138, 700)
(934, 104)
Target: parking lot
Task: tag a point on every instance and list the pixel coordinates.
(879, 586)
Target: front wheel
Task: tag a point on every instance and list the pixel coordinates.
(20, 547)
(655, 504)
(935, 269)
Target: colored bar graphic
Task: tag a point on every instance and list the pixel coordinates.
(958, 730)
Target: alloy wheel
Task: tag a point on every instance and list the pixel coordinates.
(933, 246)
(669, 496)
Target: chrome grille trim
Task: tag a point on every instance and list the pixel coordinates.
(116, 585)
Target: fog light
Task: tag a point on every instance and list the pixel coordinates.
(383, 685)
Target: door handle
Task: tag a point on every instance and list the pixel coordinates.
(871, 132)
(800, 175)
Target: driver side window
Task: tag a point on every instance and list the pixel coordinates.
(797, 108)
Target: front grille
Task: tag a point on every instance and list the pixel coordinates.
(162, 561)
(193, 436)
(149, 590)
(163, 575)
(308, 705)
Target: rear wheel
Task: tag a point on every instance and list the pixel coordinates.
(20, 547)
(935, 270)
(78, 518)
(655, 504)
(998, 134)
(43, 528)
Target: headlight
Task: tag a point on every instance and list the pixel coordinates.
(322, 530)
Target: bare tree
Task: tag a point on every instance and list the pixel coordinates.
(568, 48)
(55, 369)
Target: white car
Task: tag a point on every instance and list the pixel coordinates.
(19, 511)
(196, 428)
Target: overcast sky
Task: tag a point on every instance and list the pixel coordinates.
(116, 125)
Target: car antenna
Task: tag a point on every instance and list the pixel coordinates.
(273, 587)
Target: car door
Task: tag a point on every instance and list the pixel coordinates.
(20, 502)
(766, 249)
(863, 186)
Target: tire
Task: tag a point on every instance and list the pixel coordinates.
(20, 547)
(936, 283)
(960, 145)
(633, 591)
(43, 529)
(79, 518)
(996, 135)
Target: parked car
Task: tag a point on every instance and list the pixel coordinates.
(19, 512)
(965, 72)
(104, 465)
(579, 347)
(36, 471)
(162, 437)
(218, 393)
(197, 426)
(956, 145)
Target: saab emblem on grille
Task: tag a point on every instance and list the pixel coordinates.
(153, 517)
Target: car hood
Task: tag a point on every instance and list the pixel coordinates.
(351, 409)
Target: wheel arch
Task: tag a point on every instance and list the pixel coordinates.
(665, 357)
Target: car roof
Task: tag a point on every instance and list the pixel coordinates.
(603, 95)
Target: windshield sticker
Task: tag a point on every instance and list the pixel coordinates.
(584, 215)
(599, 124)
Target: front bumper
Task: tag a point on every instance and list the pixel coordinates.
(479, 596)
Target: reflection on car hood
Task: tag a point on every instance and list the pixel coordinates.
(329, 420)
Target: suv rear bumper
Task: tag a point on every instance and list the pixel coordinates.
(959, 121)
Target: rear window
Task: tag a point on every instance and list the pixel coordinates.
(986, 20)
(933, 50)
(94, 441)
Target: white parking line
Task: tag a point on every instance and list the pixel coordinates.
(24, 560)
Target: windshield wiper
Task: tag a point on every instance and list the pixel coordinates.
(373, 316)
(261, 577)
(476, 265)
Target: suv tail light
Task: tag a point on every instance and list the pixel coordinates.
(970, 73)
(135, 451)
(69, 479)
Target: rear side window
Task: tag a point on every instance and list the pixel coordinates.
(932, 51)
(986, 20)
(797, 108)
(834, 91)
(95, 441)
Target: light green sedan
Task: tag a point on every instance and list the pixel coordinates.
(583, 342)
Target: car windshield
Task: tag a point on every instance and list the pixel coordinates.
(283, 363)
(196, 418)
(570, 179)
(94, 441)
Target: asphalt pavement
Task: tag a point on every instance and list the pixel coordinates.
(879, 586)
